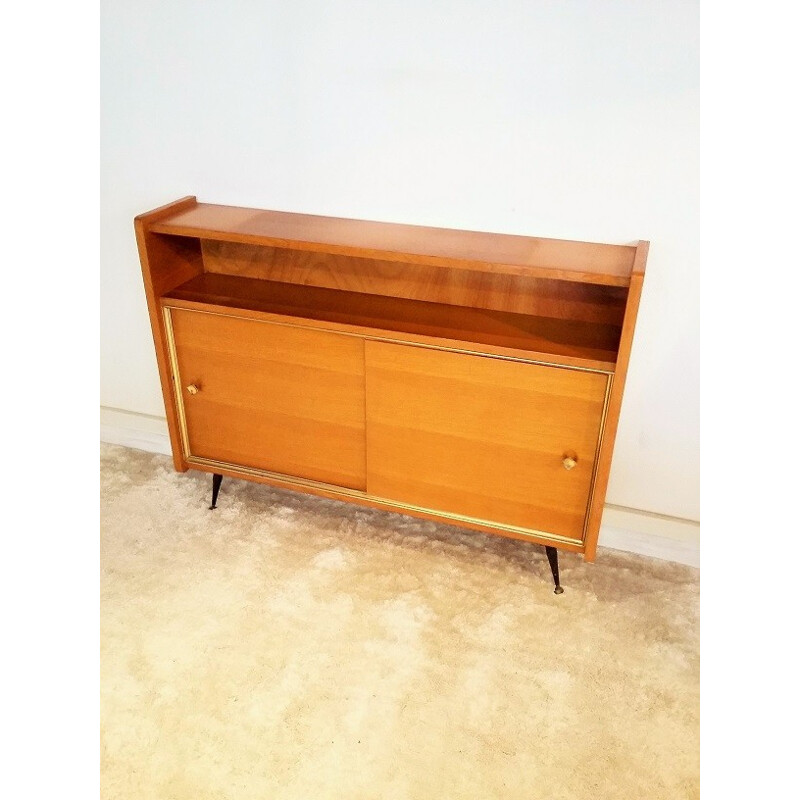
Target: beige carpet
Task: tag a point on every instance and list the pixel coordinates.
(285, 646)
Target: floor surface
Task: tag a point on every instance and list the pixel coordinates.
(285, 646)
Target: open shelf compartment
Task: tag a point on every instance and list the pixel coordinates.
(591, 344)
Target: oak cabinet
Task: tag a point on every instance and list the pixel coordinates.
(466, 377)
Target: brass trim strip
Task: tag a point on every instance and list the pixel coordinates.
(345, 492)
(176, 379)
(393, 340)
(600, 435)
(291, 480)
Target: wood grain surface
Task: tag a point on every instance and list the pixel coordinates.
(273, 397)
(482, 437)
(587, 341)
(498, 291)
(523, 255)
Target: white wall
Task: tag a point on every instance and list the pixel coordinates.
(571, 120)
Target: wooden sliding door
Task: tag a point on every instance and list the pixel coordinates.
(272, 397)
(496, 440)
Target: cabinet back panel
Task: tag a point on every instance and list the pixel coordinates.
(495, 291)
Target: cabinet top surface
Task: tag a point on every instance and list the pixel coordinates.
(492, 252)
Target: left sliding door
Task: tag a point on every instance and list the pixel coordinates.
(269, 396)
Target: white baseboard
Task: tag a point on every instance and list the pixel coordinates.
(628, 529)
(131, 429)
(655, 535)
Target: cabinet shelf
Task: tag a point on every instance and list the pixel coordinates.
(587, 344)
(555, 259)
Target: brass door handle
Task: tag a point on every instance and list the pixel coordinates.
(569, 462)
(193, 388)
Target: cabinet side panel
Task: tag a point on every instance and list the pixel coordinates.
(166, 264)
(615, 403)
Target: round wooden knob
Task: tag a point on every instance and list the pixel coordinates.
(192, 388)
(569, 462)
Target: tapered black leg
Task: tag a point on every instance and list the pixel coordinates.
(552, 557)
(216, 482)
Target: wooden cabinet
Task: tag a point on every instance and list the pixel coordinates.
(466, 377)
